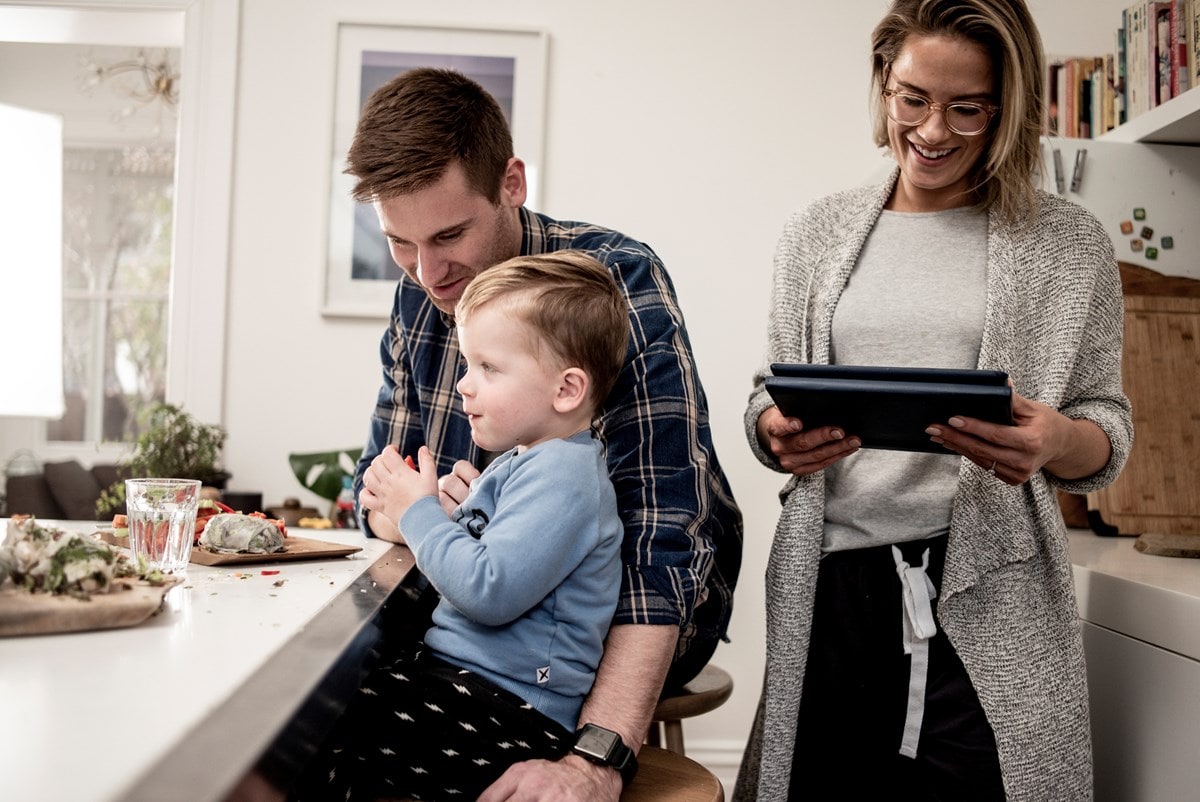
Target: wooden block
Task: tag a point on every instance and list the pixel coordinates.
(1168, 545)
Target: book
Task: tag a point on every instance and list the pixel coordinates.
(1180, 80)
(1160, 62)
(1192, 23)
(1053, 124)
(1137, 45)
(1120, 101)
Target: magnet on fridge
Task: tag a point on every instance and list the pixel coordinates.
(1077, 173)
(1152, 253)
(1139, 213)
(1126, 227)
(1147, 232)
(1136, 245)
(1167, 242)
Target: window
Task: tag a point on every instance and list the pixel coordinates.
(117, 204)
(203, 178)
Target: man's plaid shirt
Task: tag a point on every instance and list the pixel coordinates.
(683, 530)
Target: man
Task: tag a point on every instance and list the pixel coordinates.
(433, 153)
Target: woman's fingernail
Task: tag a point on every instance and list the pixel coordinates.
(957, 422)
(933, 431)
(838, 434)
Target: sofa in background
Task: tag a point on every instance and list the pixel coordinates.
(62, 491)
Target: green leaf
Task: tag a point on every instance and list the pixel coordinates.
(322, 472)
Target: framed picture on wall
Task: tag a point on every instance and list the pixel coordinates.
(361, 277)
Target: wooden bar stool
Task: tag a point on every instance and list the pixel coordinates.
(708, 691)
(665, 776)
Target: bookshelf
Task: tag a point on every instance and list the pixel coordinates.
(1176, 122)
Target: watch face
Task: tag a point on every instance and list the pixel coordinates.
(596, 742)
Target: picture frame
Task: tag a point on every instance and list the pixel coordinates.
(361, 277)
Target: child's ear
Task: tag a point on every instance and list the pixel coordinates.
(572, 390)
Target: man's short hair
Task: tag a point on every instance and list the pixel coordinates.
(417, 124)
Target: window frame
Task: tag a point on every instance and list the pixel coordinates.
(203, 199)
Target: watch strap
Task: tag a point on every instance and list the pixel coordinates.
(620, 756)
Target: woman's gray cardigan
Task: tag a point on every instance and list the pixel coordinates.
(1007, 602)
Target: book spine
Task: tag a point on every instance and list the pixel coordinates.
(1192, 23)
(1071, 112)
(1161, 59)
(1121, 86)
(1052, 69)
(1135, 60)
(1179, 49)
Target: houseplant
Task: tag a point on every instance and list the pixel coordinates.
(172, 444)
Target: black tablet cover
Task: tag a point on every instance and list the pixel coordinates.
(888, 407)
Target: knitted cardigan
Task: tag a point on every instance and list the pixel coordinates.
(1007, 603)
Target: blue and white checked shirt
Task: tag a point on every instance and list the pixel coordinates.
(683, 531)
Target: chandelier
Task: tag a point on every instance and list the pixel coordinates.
(145, 79)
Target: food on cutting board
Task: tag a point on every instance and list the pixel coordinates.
(206, 510)
(234, 533)
(44, 559)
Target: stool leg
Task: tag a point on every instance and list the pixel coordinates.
(653, 734)
(674, 732)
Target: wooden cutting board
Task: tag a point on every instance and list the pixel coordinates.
(1159, 490)
(298, 548)
(25, 613)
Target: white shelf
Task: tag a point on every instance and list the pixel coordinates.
(1176, 122)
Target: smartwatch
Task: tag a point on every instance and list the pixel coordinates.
(605, 748)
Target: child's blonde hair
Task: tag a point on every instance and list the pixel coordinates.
(570, 300)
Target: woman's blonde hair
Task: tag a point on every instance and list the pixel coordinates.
(1004, 177)
(570, 300)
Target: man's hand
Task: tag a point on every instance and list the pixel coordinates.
(572, 779)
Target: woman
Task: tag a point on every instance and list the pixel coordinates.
(922, 628)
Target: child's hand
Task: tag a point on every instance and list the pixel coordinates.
(391, 485)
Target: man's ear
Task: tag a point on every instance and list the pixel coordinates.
(513, 189)
(572, 390)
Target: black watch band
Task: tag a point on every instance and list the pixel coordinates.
(605, 748)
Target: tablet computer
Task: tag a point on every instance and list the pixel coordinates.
(889, 407)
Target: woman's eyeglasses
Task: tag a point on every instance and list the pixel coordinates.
(967, 119)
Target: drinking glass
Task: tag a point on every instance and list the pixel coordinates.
(162, 521)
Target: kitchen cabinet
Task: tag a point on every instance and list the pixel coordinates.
(1140, 633)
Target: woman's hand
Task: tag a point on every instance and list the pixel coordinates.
(390, 486)
(1040, 437)
(798, 451)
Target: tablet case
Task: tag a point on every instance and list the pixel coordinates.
(889, 407)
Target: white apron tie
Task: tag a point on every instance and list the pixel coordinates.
(917, 590)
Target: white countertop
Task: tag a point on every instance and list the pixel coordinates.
(87, 716)
(1151, 598)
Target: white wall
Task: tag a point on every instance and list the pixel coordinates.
(696, 126)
